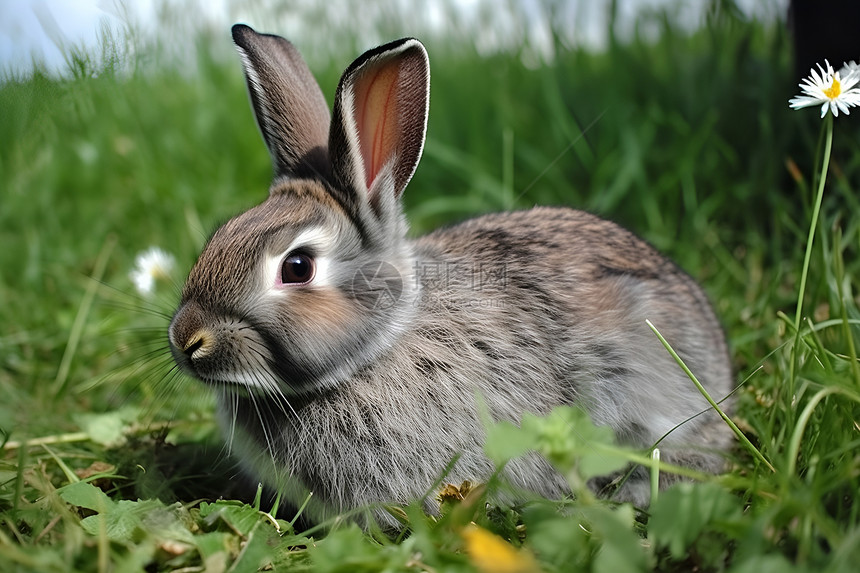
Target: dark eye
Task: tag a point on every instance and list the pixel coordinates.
(297, 268)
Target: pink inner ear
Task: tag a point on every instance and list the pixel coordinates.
(375, 100)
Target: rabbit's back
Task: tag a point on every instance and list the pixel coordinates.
(563, 297)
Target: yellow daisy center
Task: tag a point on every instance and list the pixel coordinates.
(834, 90)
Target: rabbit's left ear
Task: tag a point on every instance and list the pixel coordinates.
(380, 119)
(289, 106)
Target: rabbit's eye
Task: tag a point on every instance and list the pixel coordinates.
(297, 268)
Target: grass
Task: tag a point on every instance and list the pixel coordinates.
(112, 463)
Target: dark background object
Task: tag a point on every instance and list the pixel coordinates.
(824, 29)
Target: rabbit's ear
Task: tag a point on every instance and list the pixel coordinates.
(380, 119)
(290, 108)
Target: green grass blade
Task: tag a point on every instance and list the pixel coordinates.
(62, 379)
(743, 439)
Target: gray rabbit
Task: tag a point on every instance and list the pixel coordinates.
(350, 361)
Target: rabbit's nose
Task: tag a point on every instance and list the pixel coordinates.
(199, 344)
(189, 334)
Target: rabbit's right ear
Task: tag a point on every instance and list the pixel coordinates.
(380, 120)
(291, 110)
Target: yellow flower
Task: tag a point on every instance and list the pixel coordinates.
(492, 554)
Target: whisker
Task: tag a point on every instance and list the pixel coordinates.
(263, 426)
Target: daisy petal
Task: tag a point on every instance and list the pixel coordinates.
(802, 101)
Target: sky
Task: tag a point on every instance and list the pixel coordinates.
(38, 28)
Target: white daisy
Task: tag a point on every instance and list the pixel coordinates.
(829, 89)
(149, 266)
(849, 69)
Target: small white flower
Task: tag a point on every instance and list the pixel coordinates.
(829, 89)
(149, 266)
(848, 69)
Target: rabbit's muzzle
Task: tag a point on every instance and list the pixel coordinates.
(220, 351)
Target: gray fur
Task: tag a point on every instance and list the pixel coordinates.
(327, 388)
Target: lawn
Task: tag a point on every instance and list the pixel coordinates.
(112, 460)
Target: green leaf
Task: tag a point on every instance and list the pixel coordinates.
(86, 495)
(108, 428)
(566, 437)
(560, 540)
(119, 526)
(569, 440)
(621, 550)
(684, 512)
(215, 542)
(240, 517)
(167, 522)
(255, 550)
(123, 522)
(506, 441)
(348, 550)
(206, 509)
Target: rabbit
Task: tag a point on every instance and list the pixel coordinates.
(355, 363)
